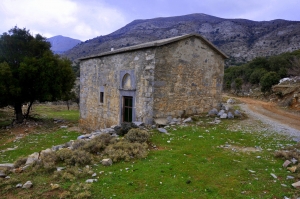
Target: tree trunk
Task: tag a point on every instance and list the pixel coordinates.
(28, 109)
(18, 112)
(68, 105)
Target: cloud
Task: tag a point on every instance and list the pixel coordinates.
(79, 20)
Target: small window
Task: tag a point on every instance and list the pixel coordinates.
(101, 97)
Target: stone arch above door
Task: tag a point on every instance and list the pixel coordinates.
(127, 80)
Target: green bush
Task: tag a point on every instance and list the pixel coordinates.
(268, 80)
(137, 135)
(256, 75)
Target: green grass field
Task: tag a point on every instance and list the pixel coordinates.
(192, 162)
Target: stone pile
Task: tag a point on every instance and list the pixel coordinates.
(225, 111)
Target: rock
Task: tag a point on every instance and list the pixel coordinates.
(213, 112)
(43, 152)
(139, 123)
(91, 180)
(290, 177)
(292, 169)
(286, 163)
(2, 174)
(27, 185)
(106, 162)
(230, 101)
(56, 148)
(162, 130)
(54, 186)
(63, 127)
(296, 184)
(7, 166)
(60, 168)
(7, 177)
(32, 158)
(237, 113)
(94, 175)
(161, 121)
(221, 112)
(230, 115)
(187, 120)
(19, 185)
(223, 116)
(108, 131)
(273, 175)
(294, 161)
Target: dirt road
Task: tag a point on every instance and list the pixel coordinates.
(273, 113)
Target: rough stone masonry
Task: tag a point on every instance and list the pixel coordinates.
(168, 78)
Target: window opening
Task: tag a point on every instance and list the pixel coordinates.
(101, 97)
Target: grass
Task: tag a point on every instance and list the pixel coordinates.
(192, 162)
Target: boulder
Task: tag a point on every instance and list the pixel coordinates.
(27, 185)
(221, 112)
(296, 184)
(162, 130)
(187, 120)
(213, 112)
(223, 116)
(32, 158)
(161, 121)
(230, 115)
(286, 163)
(237, 113)
(43, 152)
(7, 166)
(106, 162)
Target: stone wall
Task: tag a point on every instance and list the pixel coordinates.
(105, 73)
(188, 78)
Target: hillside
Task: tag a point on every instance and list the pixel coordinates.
(60, 44)
(241, 39)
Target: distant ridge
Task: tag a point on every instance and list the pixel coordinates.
(241, 39)
(60, 44)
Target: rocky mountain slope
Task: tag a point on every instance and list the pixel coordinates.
(60, 44)
(240, 39)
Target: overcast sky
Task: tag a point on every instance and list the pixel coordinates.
(86, 19)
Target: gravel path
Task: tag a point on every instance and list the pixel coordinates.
(263, 123)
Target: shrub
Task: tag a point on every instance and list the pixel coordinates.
(20, 162)
(65, 155)
(137, 135)
(81, 157)
(98, 144)
(124, 150)
(49, 160)
(78, 144)
(268, 80)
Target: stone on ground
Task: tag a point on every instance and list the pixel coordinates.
(106, 162)
(27, 185)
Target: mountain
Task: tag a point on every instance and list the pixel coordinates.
(60, 44)
(241, 39)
